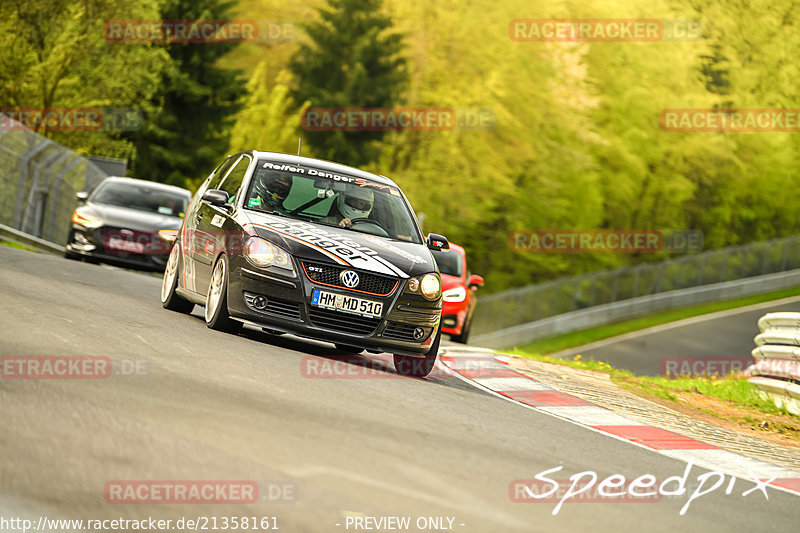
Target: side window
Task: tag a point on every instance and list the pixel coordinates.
(234, 179)
(219, 173)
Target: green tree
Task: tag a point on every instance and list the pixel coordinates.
(187, 133)
(268, 119)
(54, 54)
(352, 59)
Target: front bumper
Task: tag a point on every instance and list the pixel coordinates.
(93, 243)
(454, 314)
(272, 299)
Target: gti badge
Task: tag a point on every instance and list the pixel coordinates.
(349, 279)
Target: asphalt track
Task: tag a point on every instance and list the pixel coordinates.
(720, 336)
(210, 406)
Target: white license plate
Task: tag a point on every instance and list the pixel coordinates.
(126, 246)
(346, 304)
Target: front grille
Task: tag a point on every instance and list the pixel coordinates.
(343, 322)
(279, 308)
(401, 331)
(152, 243)
(370, 283)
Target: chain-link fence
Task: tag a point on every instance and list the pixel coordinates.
(536, 302)
(38, 182)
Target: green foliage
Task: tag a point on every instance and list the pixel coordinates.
(54, 54)
(187, 130)
(269, 119)
(576, 141)
(352, 59)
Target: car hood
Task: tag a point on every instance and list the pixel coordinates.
(318, 242)
(124, 217)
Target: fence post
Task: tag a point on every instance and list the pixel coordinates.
(23, 174)
(37, 197)
(57, 193)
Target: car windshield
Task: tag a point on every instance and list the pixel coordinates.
(324, 197)
(141, 198)
(449, 262)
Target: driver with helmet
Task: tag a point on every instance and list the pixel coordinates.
(352, 204)
(271, 193)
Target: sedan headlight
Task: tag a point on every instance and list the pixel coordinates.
(168, 234)
(456, 294)
(264, 254)
(86, 220)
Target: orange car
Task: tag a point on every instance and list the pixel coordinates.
(458, 287)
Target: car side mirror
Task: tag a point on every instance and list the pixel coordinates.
(475, 281)
(437, 242)
(216, 197)
(82, 196)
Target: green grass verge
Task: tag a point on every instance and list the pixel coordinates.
(579, 338)
(732, 388)
(16, 245)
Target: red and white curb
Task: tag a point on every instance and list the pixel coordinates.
(491, 372)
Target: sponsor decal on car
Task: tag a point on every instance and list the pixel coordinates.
(345, 251)
(361, 182)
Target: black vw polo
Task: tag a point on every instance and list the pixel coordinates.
(299, 245)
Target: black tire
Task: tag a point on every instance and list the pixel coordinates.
(465, 329)
(419, 367)
(348, 348)
(72, 256)
(169, 298)
(216, 312)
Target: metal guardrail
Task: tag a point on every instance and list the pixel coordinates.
(41, 245)
(776, 371)
(535, 303)
(635, 307)
(38, 182)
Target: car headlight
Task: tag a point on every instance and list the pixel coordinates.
(264, 254)
(86, 220)
(430, 286)
(456, 294)
(168, 234)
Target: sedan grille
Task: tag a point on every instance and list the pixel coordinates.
(369, 283)
(150, 242)
(342, 322)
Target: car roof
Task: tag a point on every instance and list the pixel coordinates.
(322, 165)
(152, 184)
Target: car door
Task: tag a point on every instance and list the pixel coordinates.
(193, 240)
(210, 220)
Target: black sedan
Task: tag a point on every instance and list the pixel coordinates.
(127, 222)
(299, 245)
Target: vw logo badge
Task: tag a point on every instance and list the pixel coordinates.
(418, 333)
(349, 279)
